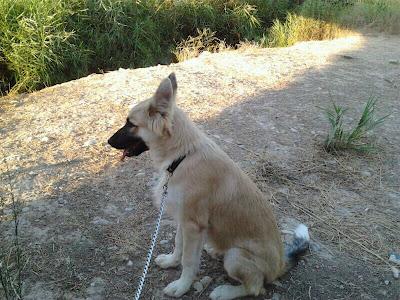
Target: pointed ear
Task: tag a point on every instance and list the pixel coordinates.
(174, 83)
(161, 109)
(164, 97)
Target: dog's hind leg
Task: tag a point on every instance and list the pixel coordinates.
(193, 239)
(241, 268)
(173, 259)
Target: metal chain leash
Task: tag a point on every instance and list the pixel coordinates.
(153, 241)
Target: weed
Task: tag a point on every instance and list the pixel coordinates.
(357, 138)
(381, 15)
(11, 255)
(205, 40)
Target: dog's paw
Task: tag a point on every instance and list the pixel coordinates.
(178, 287)
(165, 261)
(210, 251)
(227, 292)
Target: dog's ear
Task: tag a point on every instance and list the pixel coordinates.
(174, 84)
(164, 97)
(161, 109)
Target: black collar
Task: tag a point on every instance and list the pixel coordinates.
(172, 167)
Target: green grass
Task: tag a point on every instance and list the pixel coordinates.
(382, 15)
(328, 19)
(357, 138)
(298, 28)
(44, 42)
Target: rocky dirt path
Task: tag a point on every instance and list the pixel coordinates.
(87, 217)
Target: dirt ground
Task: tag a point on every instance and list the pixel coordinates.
(87, 217)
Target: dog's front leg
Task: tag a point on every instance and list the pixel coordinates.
(172, 260)
(193, 239)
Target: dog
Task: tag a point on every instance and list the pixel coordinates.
(211, 199)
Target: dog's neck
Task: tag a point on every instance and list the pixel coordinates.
(184, 139)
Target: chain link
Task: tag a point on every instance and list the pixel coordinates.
(153, 242)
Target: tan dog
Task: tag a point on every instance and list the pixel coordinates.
(210, 198)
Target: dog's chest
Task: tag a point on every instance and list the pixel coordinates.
(173, 197)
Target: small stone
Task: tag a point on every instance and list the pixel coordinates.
(61, 200)
(96, 288)
(277, 283)
(198, 286)
(365, 173)
(205, 281)
(130, 263)
(382, 292)
(394, 258)
(140, 174)
(44, 139)
(395, 272)
(276, 296)
(387, 282)
(129, 209)
(100, 221)
(163, 242)
(102, 264)
(32, 173)
(90, 142)
(25, 209)
(7, 211)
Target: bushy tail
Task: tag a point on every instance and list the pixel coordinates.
(299, 245)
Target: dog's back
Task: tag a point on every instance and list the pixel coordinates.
(209, 197)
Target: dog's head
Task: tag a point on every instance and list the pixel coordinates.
(148, 121)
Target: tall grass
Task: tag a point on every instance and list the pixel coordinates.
(32, 40)
(299, 28)
(44, 42)
(12, 259)
(205, 40)
(328, 19)
(382, 15)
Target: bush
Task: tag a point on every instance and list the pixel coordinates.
(340, 139)
(298, 28)
(43, 42)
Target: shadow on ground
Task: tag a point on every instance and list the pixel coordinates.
(90, 241)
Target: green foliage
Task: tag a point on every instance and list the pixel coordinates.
(44, 42)
(298, 28)
(357, 138)
(383, 15)
(32, 39)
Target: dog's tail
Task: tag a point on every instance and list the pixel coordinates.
(298, 246)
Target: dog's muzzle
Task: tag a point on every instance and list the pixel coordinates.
(125, 140)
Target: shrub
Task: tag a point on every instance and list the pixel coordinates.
(357, 138)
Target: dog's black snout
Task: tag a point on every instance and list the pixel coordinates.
(111, 142)
(120, 139)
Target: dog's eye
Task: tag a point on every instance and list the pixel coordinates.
(129, 123)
